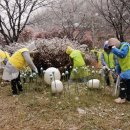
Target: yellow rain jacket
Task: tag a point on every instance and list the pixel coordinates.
(77, 57)
(124, 62)
(69, 50)
(17, 59)
(78, 63)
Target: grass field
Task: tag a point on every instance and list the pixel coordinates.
(75, 109)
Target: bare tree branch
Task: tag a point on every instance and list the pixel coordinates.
(16, 16)
(114, 12)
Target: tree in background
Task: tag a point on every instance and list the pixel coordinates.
(14, 16)
(127, 4)
(69, 16)
(116, 13)
(74, 19)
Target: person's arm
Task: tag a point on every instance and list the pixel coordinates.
(121, 53)
(102, 60)
(30, 63)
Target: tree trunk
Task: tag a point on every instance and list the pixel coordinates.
(117, 35)
(122, 37)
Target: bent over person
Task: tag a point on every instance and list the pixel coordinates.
(18, 61)
(79, 71)
(122, 51)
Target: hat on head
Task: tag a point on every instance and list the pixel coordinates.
(69, 50)
(113, 42)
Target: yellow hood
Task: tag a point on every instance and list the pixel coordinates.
(69, 50)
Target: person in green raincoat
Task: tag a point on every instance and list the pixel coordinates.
(79, 71)
(109, 61)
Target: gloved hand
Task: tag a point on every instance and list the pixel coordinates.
(113, 46)
(106, 67)
(36, 71)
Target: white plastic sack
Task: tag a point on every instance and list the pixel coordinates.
(93, 83)
(56, 86)
(51, 74)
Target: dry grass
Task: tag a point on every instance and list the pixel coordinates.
(37, 109)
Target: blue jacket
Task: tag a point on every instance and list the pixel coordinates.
(122, 53)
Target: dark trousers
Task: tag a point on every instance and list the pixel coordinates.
(107, 78)
(16, 85)
(125, 89)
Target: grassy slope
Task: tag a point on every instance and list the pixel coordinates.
(37, 109)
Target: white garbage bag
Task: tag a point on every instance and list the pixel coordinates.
(56, 86)
(51, 74)
(93, 83)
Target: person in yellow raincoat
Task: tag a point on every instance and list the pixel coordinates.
(79, 71)
(18, 61)
(4, 57)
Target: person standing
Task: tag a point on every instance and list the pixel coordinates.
(108, 60)
(122, 51)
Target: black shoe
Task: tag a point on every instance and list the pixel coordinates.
(128, 99)
(21, 90)
(14, 93)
